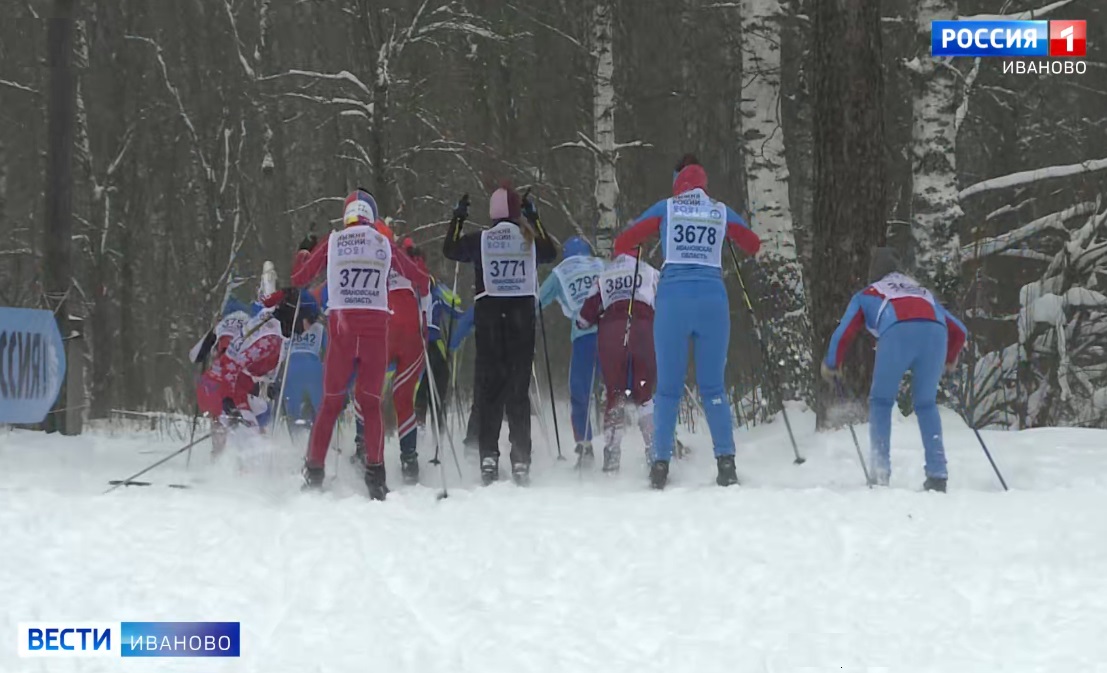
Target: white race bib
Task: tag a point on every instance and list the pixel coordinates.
(232, 325)
(358, 261)
(696, 230)
(899, 286)
(509, 261)
(398, 281)
(579, 277)
(618, 278)
(263, 325)
(310, 342)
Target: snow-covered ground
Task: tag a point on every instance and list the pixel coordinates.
(800, 568)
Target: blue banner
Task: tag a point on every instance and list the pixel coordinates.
(32, 364)
(989, 38)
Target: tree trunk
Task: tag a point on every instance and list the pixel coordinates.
(782, 299)
(933, 144)
(58, 229)
(849, 169)
(603, 124)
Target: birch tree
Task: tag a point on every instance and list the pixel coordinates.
(767, 181)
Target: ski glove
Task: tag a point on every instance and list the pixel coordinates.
(309, 242)
(830, 375)
(461, 210)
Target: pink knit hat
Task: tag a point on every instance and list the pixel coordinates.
(505, 204)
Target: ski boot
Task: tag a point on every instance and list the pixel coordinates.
(313, 478)
(375, 480)
(409, 467)
(727, 474)
(585, 457)
(520, 474)
(611, 456)
(935, 484)
(489, 470)
(659, 474)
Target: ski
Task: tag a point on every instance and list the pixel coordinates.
(121, 482)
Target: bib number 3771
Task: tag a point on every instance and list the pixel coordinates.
(507, 268)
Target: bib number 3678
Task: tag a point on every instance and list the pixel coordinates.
(695, 233)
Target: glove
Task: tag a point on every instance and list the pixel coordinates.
(230, 408)
(530, 209)
(461, 210)
(830, 375)
(309, 242)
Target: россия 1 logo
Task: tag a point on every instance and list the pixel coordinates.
(1058, 39)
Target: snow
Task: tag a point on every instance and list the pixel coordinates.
(1027, 177)
(799, 567)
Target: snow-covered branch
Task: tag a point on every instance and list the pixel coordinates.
(250, 74)
(1027, 177)
(1029, 14)
(18, 87)
(998, 244)
(341, 76)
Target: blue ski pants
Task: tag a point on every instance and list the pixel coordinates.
(305, 379)
(583, 368)
(697, 311)
(919, 347)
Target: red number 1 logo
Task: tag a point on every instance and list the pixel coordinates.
(1068, 38)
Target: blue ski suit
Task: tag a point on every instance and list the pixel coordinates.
(305, 368)
(914, 333)
(571, 283)
(691, 302)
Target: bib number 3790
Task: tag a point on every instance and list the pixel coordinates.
(695, 233)
(360, 278)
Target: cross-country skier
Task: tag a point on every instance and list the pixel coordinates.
(358, 260)
(505, 260)
(916, 334)
(691, 305)
(303, 388)
(441, 311)
(229, 391)
(627, 356)
(571, 283)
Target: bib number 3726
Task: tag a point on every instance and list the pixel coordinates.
(695, 233)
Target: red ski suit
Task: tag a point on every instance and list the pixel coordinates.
(358, 340)
(405, 348)
(233, 372)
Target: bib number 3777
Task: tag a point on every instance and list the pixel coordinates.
(360, 278)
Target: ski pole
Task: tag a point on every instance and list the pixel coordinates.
(856, 444)
(769, 370)
(549, 378)
(287, 361)
(995, 468)
(538, 405)
(629, 390)
(436, 426)
(186, 447)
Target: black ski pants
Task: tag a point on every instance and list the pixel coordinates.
(504, 329)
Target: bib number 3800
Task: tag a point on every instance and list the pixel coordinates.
(621, 283)
(360, 278)
(695, 233)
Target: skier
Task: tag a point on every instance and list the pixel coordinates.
(358, 260)
(691, 305)
(626, 351)
(230, 391)
(441, 311)
(303, 387)
(571, 283)
(915, 333)
(505, 260)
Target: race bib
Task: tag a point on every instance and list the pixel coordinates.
(579, 277)
(310, 342)
(509, 261)
(398, 281)
(358, 261)
(257, 329)
(696, 230)
(899, 286)
(232, 325)
(618, 281)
